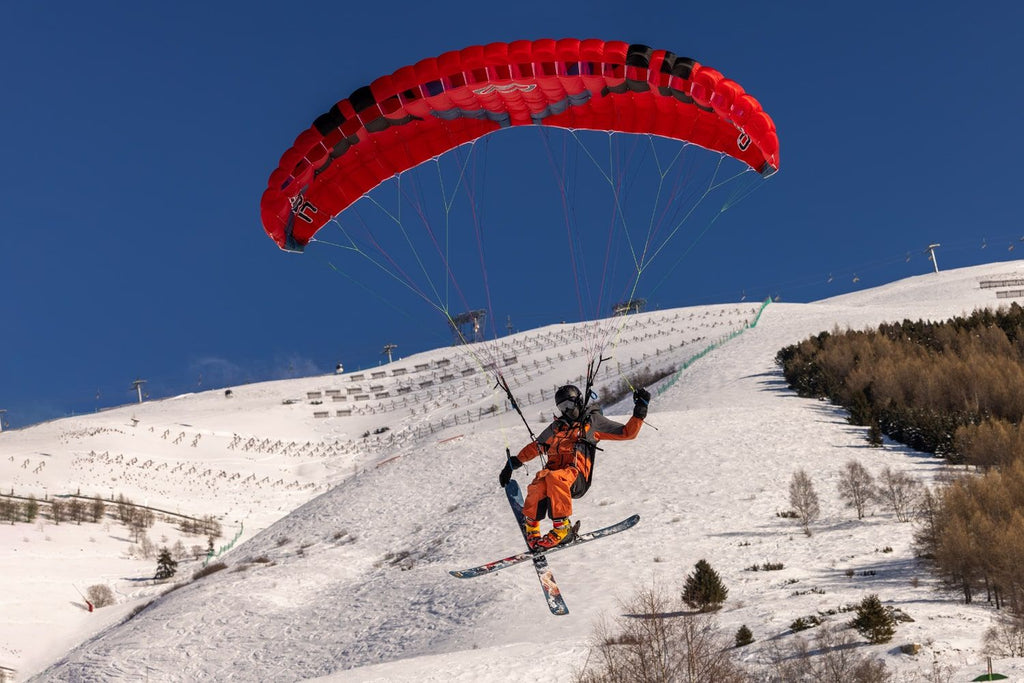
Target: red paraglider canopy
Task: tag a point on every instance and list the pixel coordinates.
(424, 110)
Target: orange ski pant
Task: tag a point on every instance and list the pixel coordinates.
(555, 485)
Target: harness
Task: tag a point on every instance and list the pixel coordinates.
(587, 451)
(583, 455)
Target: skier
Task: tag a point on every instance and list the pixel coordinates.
(570, 443)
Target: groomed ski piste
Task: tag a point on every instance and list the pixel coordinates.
(346, 499)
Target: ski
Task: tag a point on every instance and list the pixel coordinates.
(534, 555)
(552, 595)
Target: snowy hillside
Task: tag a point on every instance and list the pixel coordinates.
(351, 496)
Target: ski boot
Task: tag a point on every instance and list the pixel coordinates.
(532, 529)
(562, 531)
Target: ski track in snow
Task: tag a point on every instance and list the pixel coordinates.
(343, 575)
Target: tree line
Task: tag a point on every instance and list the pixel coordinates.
(955, 389)
(76, 509)
(938, 387)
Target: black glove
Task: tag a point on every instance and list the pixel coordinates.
(506, 473)
(641, 399)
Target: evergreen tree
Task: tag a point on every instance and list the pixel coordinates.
(875, 434)
(704, 590)
(166, 566)
(873, 621)
(744, 636)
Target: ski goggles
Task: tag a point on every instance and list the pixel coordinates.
(567, 405)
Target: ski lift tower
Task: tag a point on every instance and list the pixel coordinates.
(137, 385)
(629, 306)
(931, 255)
(388, 348)
(468, 327)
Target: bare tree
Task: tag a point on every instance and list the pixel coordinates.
(654, 640)
(899, 491)
(926, 535)
(207, 526)
(97, 509)
(141, 519)
(856, 487)
(125, 509)
(211, 527)
(803, 499)
(1006, 637)
(8, 510)
(31, 509)
(957, 557)
(57, 510)
(76, 510)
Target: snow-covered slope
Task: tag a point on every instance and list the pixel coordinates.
(353, 495)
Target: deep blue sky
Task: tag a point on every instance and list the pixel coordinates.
(137, 139)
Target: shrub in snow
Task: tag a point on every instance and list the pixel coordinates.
(829, 657)
(766, 567)
(209, 569)
(100, 595)
(804, 623)
(643, 378)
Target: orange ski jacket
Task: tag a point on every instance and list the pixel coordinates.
(572, 444)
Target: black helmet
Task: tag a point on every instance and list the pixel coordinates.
(569, 401)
